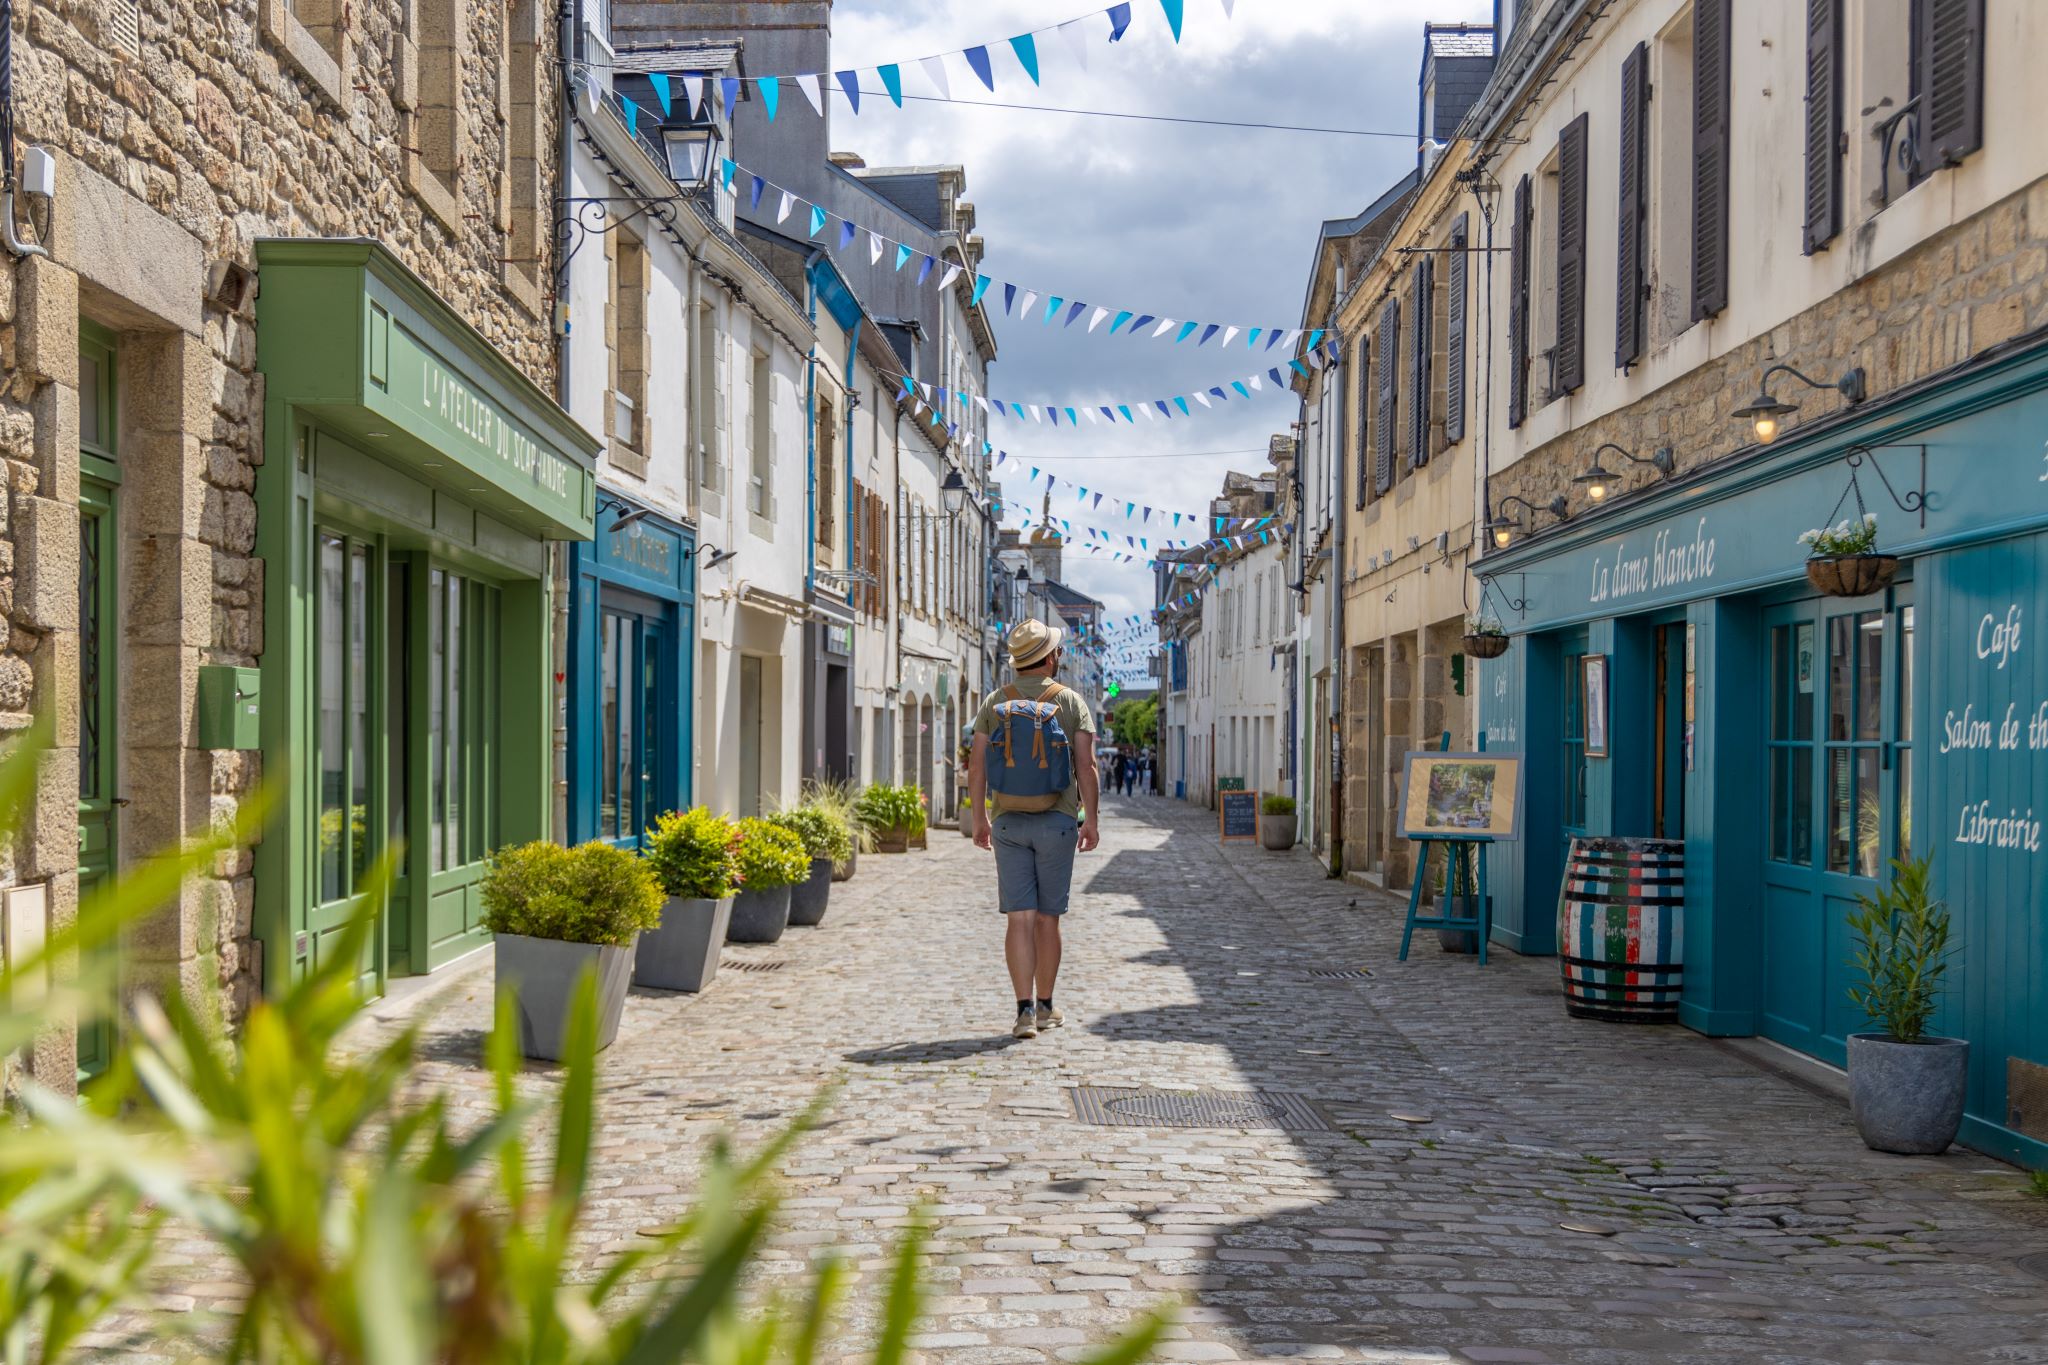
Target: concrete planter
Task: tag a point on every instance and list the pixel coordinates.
(758, 916)
(541, 974)
(807, 899)
(1907, 1097)
(1277, 832)
(843, 872)
(682, 955)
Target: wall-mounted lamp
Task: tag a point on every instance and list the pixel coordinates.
(1765, 413)
(1599, 482)
(1502, 528)
(628, 514)
(713, 557)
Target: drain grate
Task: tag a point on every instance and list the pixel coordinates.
(1340, 973)
(1241, 1109)
(757, 965)
(2035, 1265)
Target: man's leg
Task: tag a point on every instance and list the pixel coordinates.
(1046, 945)
(1020, 949)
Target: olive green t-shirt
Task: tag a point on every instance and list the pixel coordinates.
(1074, 719)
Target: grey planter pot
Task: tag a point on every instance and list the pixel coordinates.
(1907, 1097)
(807, 899)
(1277, 832)
(758, 916)
(843, 872)
(682, 955)
(541, 974)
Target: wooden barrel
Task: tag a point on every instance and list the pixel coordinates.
(1621, 929)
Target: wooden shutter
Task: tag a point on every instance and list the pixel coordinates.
(1518, 306)
(1383, 405)
(1823, 123)
(1366, 477)
(1711, 69)
(1570, 369)
(1454, 330)
(1949, 55)
(1418, 363)
(1631, 287)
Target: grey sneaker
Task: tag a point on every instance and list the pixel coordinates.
(1049, 1018)
(1027, 1025)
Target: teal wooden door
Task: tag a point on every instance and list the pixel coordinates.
(1838, 801)
(635, 712)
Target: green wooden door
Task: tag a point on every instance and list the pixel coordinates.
(349, 704)
(99, 798)
(454, 701)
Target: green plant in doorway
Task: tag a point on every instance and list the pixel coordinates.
(593, 893)
(1901, 932)
(883, 808)
(770, 856)
(823, 834)
(842, 800)
(694, 855)
(2037, 1184)
(1274, 803)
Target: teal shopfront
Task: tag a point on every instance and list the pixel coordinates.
(632, 637)
(1798, 742)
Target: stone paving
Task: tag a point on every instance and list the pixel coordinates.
(1555, 1190)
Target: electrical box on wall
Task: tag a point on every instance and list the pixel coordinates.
(230, 714)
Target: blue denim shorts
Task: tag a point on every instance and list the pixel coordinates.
(1035, 860)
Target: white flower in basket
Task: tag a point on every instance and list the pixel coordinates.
(1846, 537)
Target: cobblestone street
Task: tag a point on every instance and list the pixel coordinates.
(1558, 1191)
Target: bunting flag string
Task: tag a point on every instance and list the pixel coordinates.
(1109, 24)
(954, 403)
(1143, 514)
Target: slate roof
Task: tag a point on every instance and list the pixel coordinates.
(1069, 597)
(1453, 42)
(707, 56)
(916, 195)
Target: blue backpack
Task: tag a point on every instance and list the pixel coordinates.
(1030, 763)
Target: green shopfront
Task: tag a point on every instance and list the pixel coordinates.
(415, 482)
(1797, 742)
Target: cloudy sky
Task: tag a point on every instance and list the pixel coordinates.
(1213, 224)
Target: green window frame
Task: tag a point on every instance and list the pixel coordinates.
(462, 718)
(99, 579)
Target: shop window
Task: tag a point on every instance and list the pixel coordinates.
(626, 348)
(1572, 806)
(629, 716)
(1543, 295)
(1791, 743)
(828, 480)
(1855, 733)
(761, 477)
(708, 407)
(1902, 746)
(312, 37)
(1668, 182)
(343, 607)
(461, 690)
(430, 93)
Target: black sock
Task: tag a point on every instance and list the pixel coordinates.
(1023, 1006)
(1045, 1002)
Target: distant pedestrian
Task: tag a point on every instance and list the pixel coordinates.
(1034, 756)
(1128, 773)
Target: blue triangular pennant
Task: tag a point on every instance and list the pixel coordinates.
(759, 185)
(849, 81)
(661, 89)
(902, 255)
(729, 90)
(1027, 55)
(977, 58)
(1119, 20)
(817, 220)
(1053, 307)
(892, 81)
(981, 284)
(924, 271)
(632, 113)
(1173, 15)
(771, 94)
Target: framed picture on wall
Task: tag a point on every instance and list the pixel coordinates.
(1461, 796)
(1593, 702)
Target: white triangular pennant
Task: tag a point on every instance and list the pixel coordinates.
(1230, 9)
(952, 274)
(1257, 384)
(1228, 333)
(1024, 307)
(935, 72)
(1096, 321)
(984, 405)
(1164, 323)
(809, 85)
(693, 90)
(782, 209)
(1077, 41)
(1203, 399)
(1287, 342)
(874, 247)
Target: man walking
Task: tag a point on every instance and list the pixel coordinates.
(1034, 752)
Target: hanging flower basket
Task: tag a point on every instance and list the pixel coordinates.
(1481, 646)
(1851, 575)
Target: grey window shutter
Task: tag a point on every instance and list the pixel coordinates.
(1949, 52)
(1422, 323)
(1358, 426)
(1632, 222)
(1383, 406)
(1571, 256)
(1518, 306)
(1711, 71)
(1454, 331)
(1823, 123)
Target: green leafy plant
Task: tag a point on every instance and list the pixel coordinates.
(1902, 951)
(1135, 722)
(823, 834)
(2037, 1184)
(882, 808)
(694, 855)
(770, 856)
(1273, 803)
(1845, 537)
(841, 799)
(373, 1219)
(593, 893)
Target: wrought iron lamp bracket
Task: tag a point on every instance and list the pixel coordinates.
(1913, 501)
(1489, 585)
(577, 220)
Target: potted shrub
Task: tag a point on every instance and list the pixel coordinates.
(1905, 1088)
(1277, 822)
(771, 861)
(557, 913)
(894, 814)
(1485, 637)
(825, 841)
(692, 855)
(838, 798)
(1843, 560)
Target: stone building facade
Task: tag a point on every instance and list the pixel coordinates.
(132, 420)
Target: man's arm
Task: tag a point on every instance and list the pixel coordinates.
(977, 790)
(1091, 789)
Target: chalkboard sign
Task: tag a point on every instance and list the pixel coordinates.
(1237, 814)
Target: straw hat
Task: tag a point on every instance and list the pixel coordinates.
(1031, 641)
